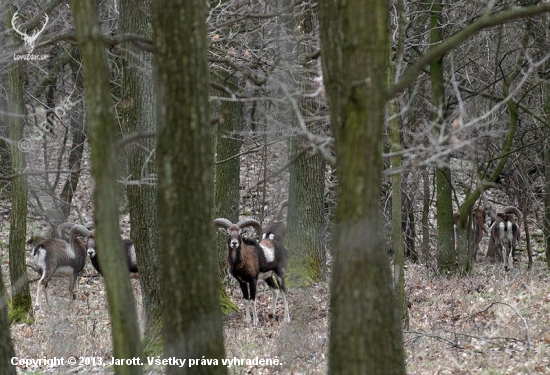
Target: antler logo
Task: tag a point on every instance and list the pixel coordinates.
(30, 40)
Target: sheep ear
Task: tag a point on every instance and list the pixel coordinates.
(224, 231)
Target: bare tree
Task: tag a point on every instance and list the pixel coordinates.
(138, 118)
(365, 327)
(103, 142)
(185, 157)
(21, 308)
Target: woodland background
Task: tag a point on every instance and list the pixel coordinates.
(375, 120)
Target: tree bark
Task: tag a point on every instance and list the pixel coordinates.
(396, 129)
(365, 329)
(103, 145)
(305, 220)
(446, 254)
(21, 307)
(79, 129)
(228, 171)
(305, 236)
(6, 345)
(192, 315)
(137, 115)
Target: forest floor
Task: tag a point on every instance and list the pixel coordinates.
(493, 322)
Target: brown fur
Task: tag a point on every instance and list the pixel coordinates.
(478, 215)
(56, 256)
(248, 261)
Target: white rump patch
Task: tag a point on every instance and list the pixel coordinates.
(40, 259)
(268, 252)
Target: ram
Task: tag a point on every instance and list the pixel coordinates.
(505, 234)
(129, 250)
(277, 229)
(59, 257)
(250, 260)
(479, 215)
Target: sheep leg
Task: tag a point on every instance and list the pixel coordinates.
(244, 289)
(509, 255)
(38, 287)
(282, 286)
(42, 286)
(72, 281)
(274, 292)
(253, 297)
(287, 315)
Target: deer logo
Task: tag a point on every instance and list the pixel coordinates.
(29, 40)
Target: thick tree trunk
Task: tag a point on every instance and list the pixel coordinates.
(137, 115)
(228, 170)
(305, 220)
(103, 145)
(192, 315)
(6, 345)
(305, 237)
(21, 307)
(547, 185)
(365, 336)
(446, 254)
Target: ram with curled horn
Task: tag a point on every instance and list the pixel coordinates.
(250, 260)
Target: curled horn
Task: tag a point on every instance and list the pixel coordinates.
(251, 223)
(280, 208)
(223, 223)
(79, 230)
(61, 228)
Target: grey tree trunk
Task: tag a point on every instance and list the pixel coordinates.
(21, 307)
(228, 170)
(185, 158)
(305, 237)
(137, 115)
(6, 345)
(446, 254)
(103, 145)
(365, 328)
(306, 204)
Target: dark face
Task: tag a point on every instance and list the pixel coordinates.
(91, 246)
(234, 233)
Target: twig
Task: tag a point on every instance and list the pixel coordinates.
(527, 334)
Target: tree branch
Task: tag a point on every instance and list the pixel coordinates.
(436, 52)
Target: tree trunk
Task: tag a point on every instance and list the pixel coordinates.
(103, 145)
(78, 127)
(547, 185)
(6, 345)
(192, 315)
(21, 307)
(305, 237)
(137, 115)
(446, 254)
(228, 171)
(396, 129)
(426, 203)
(365, 329)
(397, 215)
